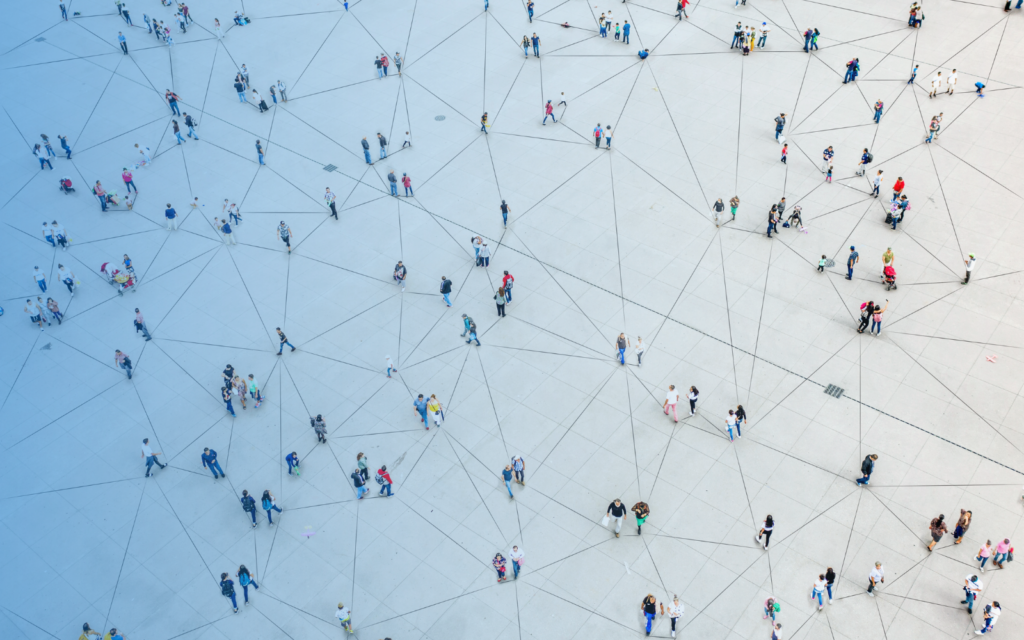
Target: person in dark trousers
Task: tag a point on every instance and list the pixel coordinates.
(472, 332)
(191, 124)
(483, 122)
(64, 145)
(227, 589)
(246, 580)
(499, 300)
(122, 42)
(268, 504)
(536, 45)
(293, 463)
(620, 345)
(876, 577)
(766, 530)
(249, 506)
(830, 579)
(650, 608)
(867, 468)
(284, 341)
(320, 427)
(780, 122)
(504, 213)
(506, 282)
(866, 310)
(225, 394)
(851, 261)
(210, 462)
(446, 290)
(122, 360)
(150, 456)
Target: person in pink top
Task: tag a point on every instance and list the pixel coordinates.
(407, 183)
(549, 111)
(1002, 549)
(126, 175)
(384, 63)
(984, 553)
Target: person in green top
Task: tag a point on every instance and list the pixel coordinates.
(254, 391)
(821, 263)
(361, 461)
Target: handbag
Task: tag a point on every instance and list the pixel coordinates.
(605, 520)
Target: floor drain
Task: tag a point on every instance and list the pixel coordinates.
(40, 39)
(439, 118)
(834, 391)
(330, 167)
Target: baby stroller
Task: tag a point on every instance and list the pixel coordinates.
(65, 185)
(123, 280)
(889, 275)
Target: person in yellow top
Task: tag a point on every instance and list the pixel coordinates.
(434, 407)
(87, 631)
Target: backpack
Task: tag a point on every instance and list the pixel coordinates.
(267, 504)
(871, 158)
(227, 589)
(248, 504)
(379, 478)
(244, 578)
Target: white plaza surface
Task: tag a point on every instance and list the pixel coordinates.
(599, 242)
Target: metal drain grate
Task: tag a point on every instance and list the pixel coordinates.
(834, 391)
(439, 118)
(40, 39)
(330, 167)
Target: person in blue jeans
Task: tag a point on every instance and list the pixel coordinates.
(876, 319)
(259, 150)
(366, 151)
(386, 477)
(383, 146)
(393, 182)
(225, 395)
(878, 111)
(818, 589)
(420, 406)
(268, 505)
(284, 341)
(210, 462)
(227, 589)
(245, 579)
(293, 463)
(650, 609)
(625, 31)
(536, 45)
(507, 476)
(621, 343)
(529, 10)
(249, 506)
(867, 468)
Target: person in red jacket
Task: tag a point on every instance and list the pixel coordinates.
(897, 189)
(506, 282)
(386, 477)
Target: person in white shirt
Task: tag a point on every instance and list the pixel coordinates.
(992, 613)
(345, 616)
(692, 397)
(67, 277)
(730, 423)
(48, 235)
(671, 399)
(35, 314)
(40, 279)
(972, 589)
(151, 458)
(281, 91)
(876, 577)
(329, 198)
(764, 35)
(675, 611)
(936, 84)
(818, 589)
(969, 263)
(951, 82)
(145, 155)
(517, 557)
(639, 350)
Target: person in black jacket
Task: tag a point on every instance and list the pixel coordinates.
(867, 467)
(191, 124)
(249, 506)
(446, 290)
(617, 510)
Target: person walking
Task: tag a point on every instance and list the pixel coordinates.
(517, 557)
(407, 183)
(519, 469)
(876, 183)
(852, 260)
(817, 589)
(549, 110)
(937, 528)
(209, 458)
(67, 277)
(383, 146)
(616, 511)
(962, 525)
(320, 428)
(876, 319)
(506, 475)
(608, 137)
(420, 406)
(867, 467)
(229, 236)
(504, 214)
(506, 282)
(499, 565)
(968, 264)
(249, 506)
(499, 301)
(993, 610)
(650, 608)
(536, 45)
(780, 123)
(875, 578)
(225, 395)
(936, 85)
(124, 43)
(269, 504)
(484, 259)
(227, 589)
(741, 418)
(64, 145)
(122, 360)
(400, 275)
(366, 151)
(671, 400)
(639, 351)
(984, 553)
(730, 423)
(446, 290)
(766, 531)
(972, 589)
(717, 208)
(620, 344)
(246, 579)
(393, 182)
(284, 232)
(641, 511)
(54, 309)
(292, 460)
(40, 278)
(951, 82)
(361, 464)
(830, 579)
(384, 480)
(344, 614)
(330, 198)
(150, 457)
(785, 152)
(692, 396)
(41, 156)
(1003, 552)
(878, 110)
(675, 610)
(254, 391)
(140, 325)
(598, 132)
(284, 341)
(259, 151)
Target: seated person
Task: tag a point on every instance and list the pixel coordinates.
(643, 54)
(565, 25)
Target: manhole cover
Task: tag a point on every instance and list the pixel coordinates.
(439, 118)
(330, 167)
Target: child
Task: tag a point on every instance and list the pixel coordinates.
(828, 176)
(821, 263)
(617, 31)
(980, 86)
(785, 152)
